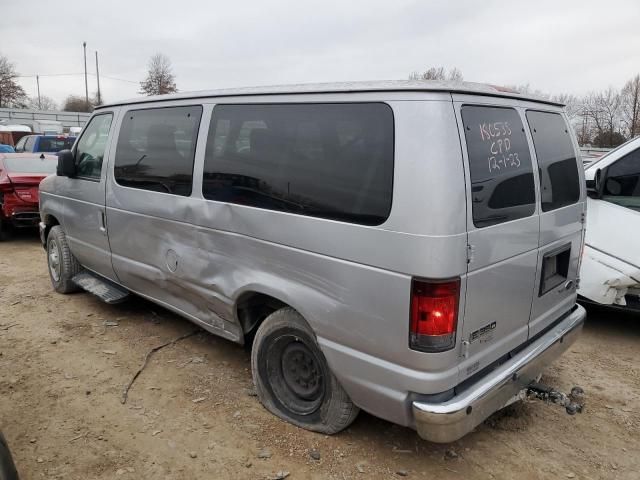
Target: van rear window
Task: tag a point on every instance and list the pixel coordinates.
(502, 187)
(331, 161)
(559, 180)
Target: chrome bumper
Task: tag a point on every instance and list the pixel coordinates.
(43, 230)
(448, 421)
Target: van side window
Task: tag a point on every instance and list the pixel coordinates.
(502, 187)
(91, 146)
(559, 179)
(330, 161)
(156, 149)
(622, 182)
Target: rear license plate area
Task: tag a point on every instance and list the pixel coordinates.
(555, 268)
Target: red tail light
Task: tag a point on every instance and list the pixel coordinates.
(434, 315)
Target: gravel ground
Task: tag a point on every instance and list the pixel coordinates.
(192, 413)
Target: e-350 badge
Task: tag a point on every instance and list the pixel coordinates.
(481, 332)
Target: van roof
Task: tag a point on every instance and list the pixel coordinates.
(375, 86)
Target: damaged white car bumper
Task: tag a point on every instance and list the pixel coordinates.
(608, 280)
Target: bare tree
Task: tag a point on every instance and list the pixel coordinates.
(527, 89)
(96, 100)
(604, 118)
(604, 109)
(631, 106)
(76, 103)
(11, 93)
(160, 79)
(45, 103)
(438, 73)
(572, 104)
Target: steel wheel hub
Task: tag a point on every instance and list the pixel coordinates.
(54, 261)
(300, 371)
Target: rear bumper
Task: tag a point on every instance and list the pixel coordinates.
(448, 421)
(20, 217)
(25, 218)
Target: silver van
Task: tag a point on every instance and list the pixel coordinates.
(407, 248)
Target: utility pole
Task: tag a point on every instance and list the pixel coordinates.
(86, 85)
(98, 78)
(38, 82)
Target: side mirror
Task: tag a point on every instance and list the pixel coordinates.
(594, 187)
(66, 164)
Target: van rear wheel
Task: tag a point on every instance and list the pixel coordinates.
(63, 266)
(293, 379)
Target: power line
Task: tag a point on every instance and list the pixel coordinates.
(118, 79)
(50, 75)
(76, 75)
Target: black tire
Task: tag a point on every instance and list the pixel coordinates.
(7, 467)
(292, 377)
(62, 270)
(5, 230)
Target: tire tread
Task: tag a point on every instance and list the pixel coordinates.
(342, 411)
(70, 266)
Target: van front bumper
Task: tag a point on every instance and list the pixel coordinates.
(42, 227)
(448, 421)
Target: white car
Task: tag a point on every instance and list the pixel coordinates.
(610, 273)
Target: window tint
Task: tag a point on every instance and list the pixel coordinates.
(156, 148)
(91, 146)
(502, 186)
(622, 182)
(324, 160)
(559, 180)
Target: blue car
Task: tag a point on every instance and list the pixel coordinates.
(44, 143)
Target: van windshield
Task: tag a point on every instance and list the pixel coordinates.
(610, 152)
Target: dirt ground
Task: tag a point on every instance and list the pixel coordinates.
(191, 414)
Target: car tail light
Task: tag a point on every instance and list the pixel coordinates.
(434, 315)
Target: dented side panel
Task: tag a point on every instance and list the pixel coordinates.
(351, 282)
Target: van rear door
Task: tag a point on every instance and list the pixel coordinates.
(562, 198)
(503, 229)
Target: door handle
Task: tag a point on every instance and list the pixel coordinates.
(103, 225)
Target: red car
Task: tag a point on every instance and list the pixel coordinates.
(20, 176)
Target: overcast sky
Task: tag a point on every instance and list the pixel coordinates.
(555, 46)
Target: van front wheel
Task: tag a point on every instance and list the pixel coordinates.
(63, 266)
(293, 379)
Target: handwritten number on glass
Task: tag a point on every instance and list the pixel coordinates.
(498, 137)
